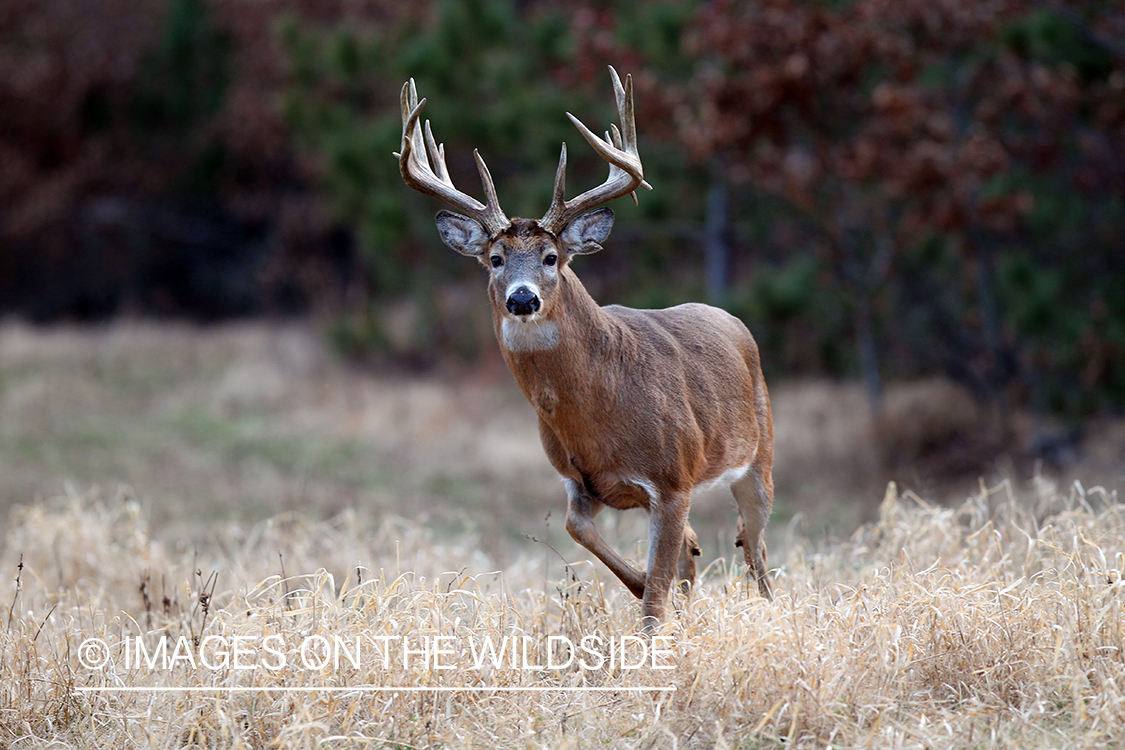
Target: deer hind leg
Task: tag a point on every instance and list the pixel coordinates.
(754, 495)
(580, 512)
(685, 571)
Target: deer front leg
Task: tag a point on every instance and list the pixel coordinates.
(667, 520)
(580, 512)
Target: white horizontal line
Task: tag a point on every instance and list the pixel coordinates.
(370, 689)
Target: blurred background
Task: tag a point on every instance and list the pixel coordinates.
(220, 297)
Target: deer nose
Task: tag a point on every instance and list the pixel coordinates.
(523, 302)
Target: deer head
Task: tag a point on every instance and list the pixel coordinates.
(524, 257)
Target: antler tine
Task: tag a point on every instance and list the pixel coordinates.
(422, 165)
(560, 178)
(436, 152)
(619, 148)
(624, 98)
(486, 180)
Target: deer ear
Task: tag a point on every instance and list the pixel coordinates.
(461, 233)
(585, 234)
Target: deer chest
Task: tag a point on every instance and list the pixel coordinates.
(545, 399)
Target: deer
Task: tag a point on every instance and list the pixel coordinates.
(636, 408)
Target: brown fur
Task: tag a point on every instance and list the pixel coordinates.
(672, 398)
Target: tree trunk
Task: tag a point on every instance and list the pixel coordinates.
(717, 242)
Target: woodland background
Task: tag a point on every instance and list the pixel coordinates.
(245, 389)
(881, 189)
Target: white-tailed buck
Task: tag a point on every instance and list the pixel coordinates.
(637, 408)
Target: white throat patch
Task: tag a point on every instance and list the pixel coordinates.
(530, 335)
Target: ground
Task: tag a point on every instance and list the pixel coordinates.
(165, 483)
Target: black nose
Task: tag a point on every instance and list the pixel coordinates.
(522, 302)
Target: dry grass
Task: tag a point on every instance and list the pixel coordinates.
(995, 624)
(273, 492)
(244, 421)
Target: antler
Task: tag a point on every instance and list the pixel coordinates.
(414, 160)
(620, 150)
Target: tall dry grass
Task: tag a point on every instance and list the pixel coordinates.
(998, 623)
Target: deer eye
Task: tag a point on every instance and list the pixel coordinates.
(550, 259)
(496, 261)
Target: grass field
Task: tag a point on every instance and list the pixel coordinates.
(242, 422)
(996, 624)
(241, 501)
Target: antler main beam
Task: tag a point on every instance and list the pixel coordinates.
(619, 149)
(422, 164)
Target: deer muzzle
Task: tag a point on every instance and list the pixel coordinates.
(523, 301)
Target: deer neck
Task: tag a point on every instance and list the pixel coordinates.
(556, 356)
